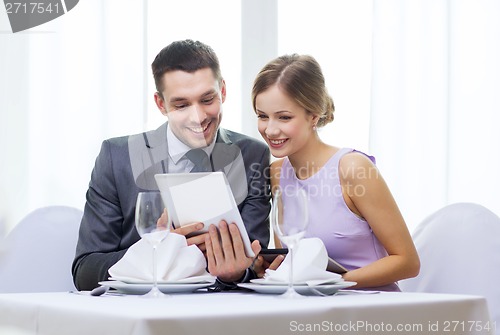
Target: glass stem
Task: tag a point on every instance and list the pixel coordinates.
(290, 274)
(155, 280)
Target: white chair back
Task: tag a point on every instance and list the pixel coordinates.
(36, 256)
(459, 249)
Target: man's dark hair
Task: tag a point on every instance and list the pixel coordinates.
(187, 55)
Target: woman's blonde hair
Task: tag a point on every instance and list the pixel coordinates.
(301, 78)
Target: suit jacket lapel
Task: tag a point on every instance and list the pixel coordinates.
(148, 153)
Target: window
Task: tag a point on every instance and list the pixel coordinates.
(216, 23)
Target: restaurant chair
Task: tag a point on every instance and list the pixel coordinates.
(36, 256)
(459, 249)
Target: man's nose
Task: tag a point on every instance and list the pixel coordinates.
(197, 113)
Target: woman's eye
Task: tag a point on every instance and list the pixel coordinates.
(261, 116)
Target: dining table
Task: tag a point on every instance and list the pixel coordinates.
(244, 312)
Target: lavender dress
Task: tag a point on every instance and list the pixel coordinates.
(347, 237)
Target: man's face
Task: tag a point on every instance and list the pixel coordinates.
(193, 104)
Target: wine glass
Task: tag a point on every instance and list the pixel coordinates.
(289, 219)
(148, 210)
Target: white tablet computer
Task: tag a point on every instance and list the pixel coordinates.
(201, 197)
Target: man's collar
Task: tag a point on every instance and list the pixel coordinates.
(177, 149)
(164, 135)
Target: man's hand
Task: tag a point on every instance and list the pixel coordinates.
(197, 239)
(226, 255)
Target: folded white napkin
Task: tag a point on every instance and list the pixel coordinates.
(176, 262)
(310, 260)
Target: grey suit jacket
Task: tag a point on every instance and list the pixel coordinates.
(126, 166)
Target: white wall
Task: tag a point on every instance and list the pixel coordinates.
(64, 87)
(392, 68)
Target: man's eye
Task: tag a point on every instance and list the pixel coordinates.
(208, 100)
(180, 106)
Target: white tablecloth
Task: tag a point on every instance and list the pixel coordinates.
(245, 313)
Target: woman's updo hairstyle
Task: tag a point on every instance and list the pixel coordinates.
(301, 78)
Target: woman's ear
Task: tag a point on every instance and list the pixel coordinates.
(314, 120)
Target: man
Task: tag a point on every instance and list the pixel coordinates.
(190, 93)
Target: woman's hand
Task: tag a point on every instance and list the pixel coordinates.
(260, 265)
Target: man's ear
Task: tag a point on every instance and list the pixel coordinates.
(223, 90)
(160, 103)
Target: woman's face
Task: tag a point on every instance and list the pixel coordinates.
(284, 125)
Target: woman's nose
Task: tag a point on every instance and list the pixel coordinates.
(272, 130)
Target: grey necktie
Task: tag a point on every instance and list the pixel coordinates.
(200, 160)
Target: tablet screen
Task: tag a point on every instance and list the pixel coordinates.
(201, 197)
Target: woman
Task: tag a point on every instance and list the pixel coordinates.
(350, 206)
